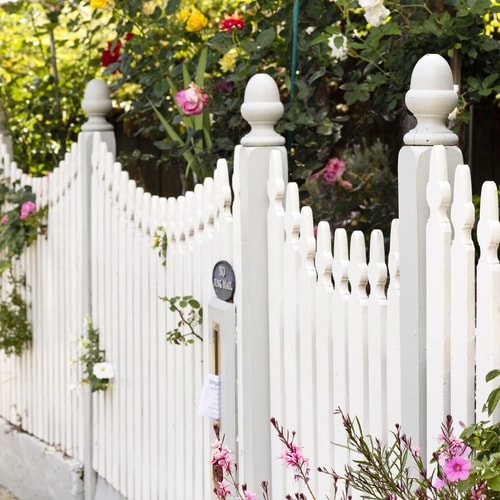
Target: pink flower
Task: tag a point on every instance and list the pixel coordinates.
(438, 483)
(334, 170)
(292, 456)
(457, 469)
(250, 496)
(26, 208)
(332, 173)
(222, 491)
(192, 100)
(229, 22)
(5, 219)
(224, 458)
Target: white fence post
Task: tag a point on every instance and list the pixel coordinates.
(96, 104)
(431, 99)
(262, 109)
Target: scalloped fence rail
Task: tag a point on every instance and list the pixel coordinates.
(312, 325)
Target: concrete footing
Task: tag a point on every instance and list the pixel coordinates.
(34, 471)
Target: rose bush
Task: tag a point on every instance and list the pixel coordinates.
(342, 68)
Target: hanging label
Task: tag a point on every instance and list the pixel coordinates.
(209, 405)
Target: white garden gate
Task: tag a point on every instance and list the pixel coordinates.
(300, 337)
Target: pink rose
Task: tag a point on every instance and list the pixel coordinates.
(5, 219)
(26, 208)
(192, 100)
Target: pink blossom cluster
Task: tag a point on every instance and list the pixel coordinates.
(192, 100)
(222, 456)
(332, 173)
(223, 459)
(26, 208)
(292, 456)
(452, 458)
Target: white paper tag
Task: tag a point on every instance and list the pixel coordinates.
(210, 397)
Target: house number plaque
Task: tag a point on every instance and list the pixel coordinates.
(223, 280)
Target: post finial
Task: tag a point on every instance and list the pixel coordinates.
(431, 99)
(262, 109)
(96, 104)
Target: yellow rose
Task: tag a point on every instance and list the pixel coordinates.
(98, 4)
(184, 14)
(196, 21)
(228, 61)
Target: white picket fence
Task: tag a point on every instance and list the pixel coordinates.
(302, 338)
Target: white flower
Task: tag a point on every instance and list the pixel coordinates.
(103, 371)
(375, 12)
(338, 44)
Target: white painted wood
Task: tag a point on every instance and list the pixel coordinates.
(377, 341)
(488, 290)
(357, 329)
(462, 307)
(438, 237)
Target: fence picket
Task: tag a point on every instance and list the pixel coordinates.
(462, 307)
(488, 289)
(438, 238)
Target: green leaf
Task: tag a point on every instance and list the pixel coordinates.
(265, 38)
(493, 400)
(492, 375)
(172, 6)
(494, 483)
(188, 156)
(202, 65)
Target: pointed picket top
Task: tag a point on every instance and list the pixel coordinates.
(438, 192)
(146, 213)
(96, 104)
(462, 209)
(377, 269)
(307, 240)
(131, 196)
(199, 222)
(488, 226)
(393, 259)
(208, 203)
(123, 191)
(276, 183)
(324, 257)
(341, 261)
(358, 269)
(292, 213)
(262, 108)
(431, 99)
(223, 187)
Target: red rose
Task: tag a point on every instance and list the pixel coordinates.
(232, 21)
(111, 55)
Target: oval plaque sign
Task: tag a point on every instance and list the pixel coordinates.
(223, 280)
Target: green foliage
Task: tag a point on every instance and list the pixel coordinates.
(396, 470)
(21, 223)
(364, 198)
(49, 53)
(190, 317)
(494, 397)
(15, 329)
(19, 227)
(91, 355)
